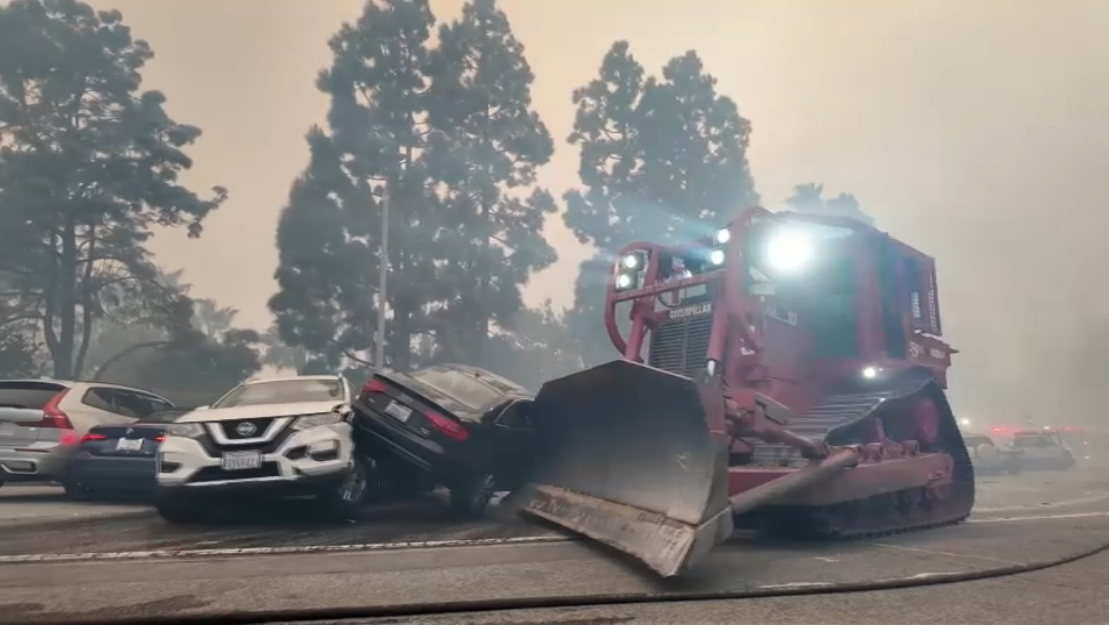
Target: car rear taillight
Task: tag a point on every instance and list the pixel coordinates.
(52, 416)
(161, 438)
(93, 437)
(374, 385)
(447, 427)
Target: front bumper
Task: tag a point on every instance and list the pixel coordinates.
(305, 458)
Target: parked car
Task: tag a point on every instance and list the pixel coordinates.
(989, 459)
(1043, 450)
(266, 438)
(42, 422)
(457, 426)
(119, 459)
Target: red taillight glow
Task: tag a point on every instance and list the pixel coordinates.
(374, 385)
(447, 427)
(161, 438)
(93, 437)
(52, 416)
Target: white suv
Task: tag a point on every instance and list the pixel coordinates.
(275, 437)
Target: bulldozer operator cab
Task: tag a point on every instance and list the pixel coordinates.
(812, 288)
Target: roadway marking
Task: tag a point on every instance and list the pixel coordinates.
(249, 551)
(1043, 517)
(428, 544)
(946, 553)
(1057, 504)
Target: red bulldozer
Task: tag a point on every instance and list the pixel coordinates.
(783, 374)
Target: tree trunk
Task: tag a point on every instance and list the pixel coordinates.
(62, 355)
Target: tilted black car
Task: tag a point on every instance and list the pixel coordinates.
(457, 426)
(119, 458)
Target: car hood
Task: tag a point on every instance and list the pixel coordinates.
(259, 410)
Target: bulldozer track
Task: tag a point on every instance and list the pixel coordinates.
(836, 421)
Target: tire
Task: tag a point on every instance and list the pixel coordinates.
(179, 512)
(344, 498)
(471, 498)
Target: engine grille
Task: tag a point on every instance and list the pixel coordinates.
(681, 345)
(256, 429)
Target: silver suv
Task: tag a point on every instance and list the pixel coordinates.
(42, 422)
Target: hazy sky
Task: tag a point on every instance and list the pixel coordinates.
(973, 130)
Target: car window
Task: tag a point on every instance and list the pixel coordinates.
(116, 401)
(1030, 442)
(463, 387)
(27, 394)
(165, 416)
(282, 392)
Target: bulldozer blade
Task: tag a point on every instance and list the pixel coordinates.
(632, 457)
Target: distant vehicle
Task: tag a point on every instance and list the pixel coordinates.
(42, 422)
(458, 426)
(1043, 450)
(266, 438)
(989, 459)
(119, 459)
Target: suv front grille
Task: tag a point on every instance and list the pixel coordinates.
(252, 428)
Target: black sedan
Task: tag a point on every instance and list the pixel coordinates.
(119, 459)
(457, 426)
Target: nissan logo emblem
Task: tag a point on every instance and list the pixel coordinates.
(246, 428)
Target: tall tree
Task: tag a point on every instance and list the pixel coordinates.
(211, 319)
(88, 165)
(486, 145)
(329, 236)
(661, 159)
(809, 198)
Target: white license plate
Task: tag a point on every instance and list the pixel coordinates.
(129, 444)
(242, 460)
(398, 412)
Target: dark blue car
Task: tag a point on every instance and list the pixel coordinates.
(119, 459)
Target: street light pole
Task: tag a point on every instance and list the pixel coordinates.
(382, 278)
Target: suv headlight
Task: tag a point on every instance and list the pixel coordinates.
(185, 430)
(316, 420)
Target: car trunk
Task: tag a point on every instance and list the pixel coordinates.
(21, 410)
(137, 439)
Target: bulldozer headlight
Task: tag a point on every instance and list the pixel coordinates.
(624, 281)
(789, 250)
(723, 236)
(716, 258)
(630, 261)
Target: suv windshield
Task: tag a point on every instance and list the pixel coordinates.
(463, 387)
(166, 416)
(282, 392)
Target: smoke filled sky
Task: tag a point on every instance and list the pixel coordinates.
(973, 130)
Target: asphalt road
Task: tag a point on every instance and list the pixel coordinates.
(125, 562)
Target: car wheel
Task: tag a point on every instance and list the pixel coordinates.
(75, 489)
(472, 498)
(179, 512)
(344, 499)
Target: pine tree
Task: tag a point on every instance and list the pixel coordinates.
(89, 165)
(661, 159)
(485, 148)
(329, 237)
